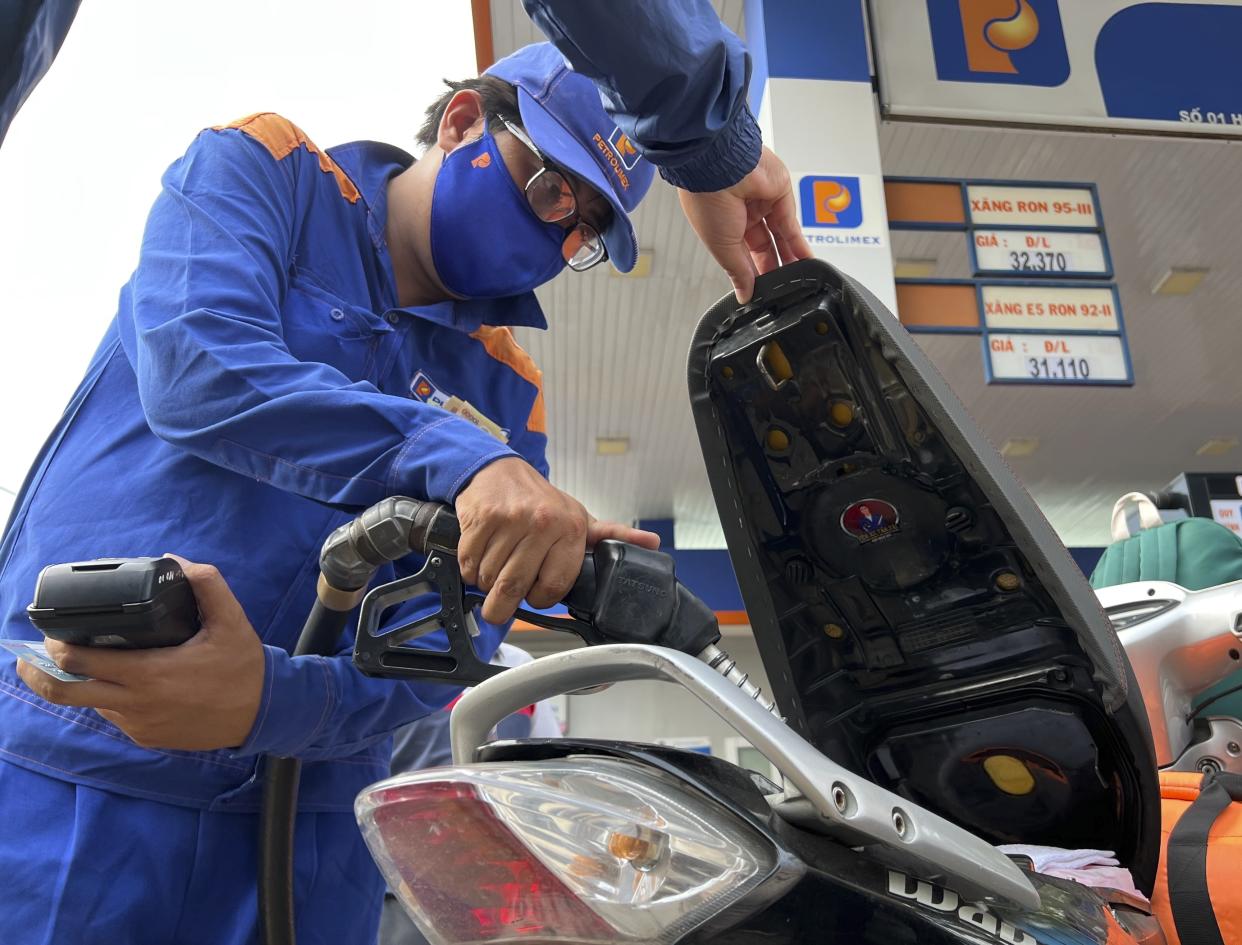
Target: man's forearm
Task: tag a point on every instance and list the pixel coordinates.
(671, 75)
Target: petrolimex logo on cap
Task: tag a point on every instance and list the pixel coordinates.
(1020, 42)
(624, 148)
(831, 202)
(619, 154)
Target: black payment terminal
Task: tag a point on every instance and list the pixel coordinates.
(127, 603)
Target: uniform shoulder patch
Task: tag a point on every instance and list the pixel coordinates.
(501, 345)
(282, 137)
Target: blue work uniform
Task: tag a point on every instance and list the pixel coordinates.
(259, 384)
(672, 77)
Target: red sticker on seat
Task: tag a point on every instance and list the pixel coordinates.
(871, 519)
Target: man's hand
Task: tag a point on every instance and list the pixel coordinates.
(201, 695)
(521, 537)
(751, 227)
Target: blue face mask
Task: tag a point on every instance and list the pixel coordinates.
(486, 243)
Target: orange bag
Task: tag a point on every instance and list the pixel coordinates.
(1198, 894)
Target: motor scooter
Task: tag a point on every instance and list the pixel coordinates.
(1182, 643)
(946, 682)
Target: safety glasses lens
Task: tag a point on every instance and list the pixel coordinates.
(551, 197)
(583, 247)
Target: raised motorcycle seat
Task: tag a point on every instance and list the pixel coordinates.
(918, 618)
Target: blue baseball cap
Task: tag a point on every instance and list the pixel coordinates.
(562, 112)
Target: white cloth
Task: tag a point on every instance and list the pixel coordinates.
(544, 723)
(1096, 868)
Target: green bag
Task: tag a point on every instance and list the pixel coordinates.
(1194, 553)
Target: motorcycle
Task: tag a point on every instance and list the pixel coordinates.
(946, 682)
(1181, 643)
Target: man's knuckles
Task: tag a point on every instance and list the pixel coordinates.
(545, 595)
(556, 581)
(49, 688)
(509, 588)
(564, 519)
(206, 573)
(72, 659)
(579, 525)
(469, 562)
(57, 650)
(546, 517)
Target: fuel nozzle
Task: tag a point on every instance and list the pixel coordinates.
(627, 594)
(623, 594)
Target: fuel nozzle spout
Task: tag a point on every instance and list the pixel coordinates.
(727, 667)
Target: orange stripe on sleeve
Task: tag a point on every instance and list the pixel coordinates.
(282, 137)
(501, 345)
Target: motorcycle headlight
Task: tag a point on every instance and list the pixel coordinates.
(1132, 613)
(573, 850)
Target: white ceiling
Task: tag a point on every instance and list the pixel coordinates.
(614, 359)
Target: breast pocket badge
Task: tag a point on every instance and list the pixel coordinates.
(423, 388)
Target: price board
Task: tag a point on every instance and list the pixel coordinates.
(1035, 249)
(1034, 204)
(1039, 253)
(1029, 358)
(1036, 307)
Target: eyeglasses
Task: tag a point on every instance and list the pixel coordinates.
(552, 200)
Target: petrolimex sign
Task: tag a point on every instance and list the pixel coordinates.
(842, 210)
(1018, 43)
(1168, 66)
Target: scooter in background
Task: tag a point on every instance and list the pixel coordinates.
(947, 681)
(1181, 643)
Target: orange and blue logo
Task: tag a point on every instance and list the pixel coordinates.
(624, 148)
(1020, 42)
(831, 201)
(423, 388)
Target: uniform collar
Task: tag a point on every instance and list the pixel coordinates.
(470, 315)
(371, 165)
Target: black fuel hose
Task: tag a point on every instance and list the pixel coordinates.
(280, 798)
(388, 530)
